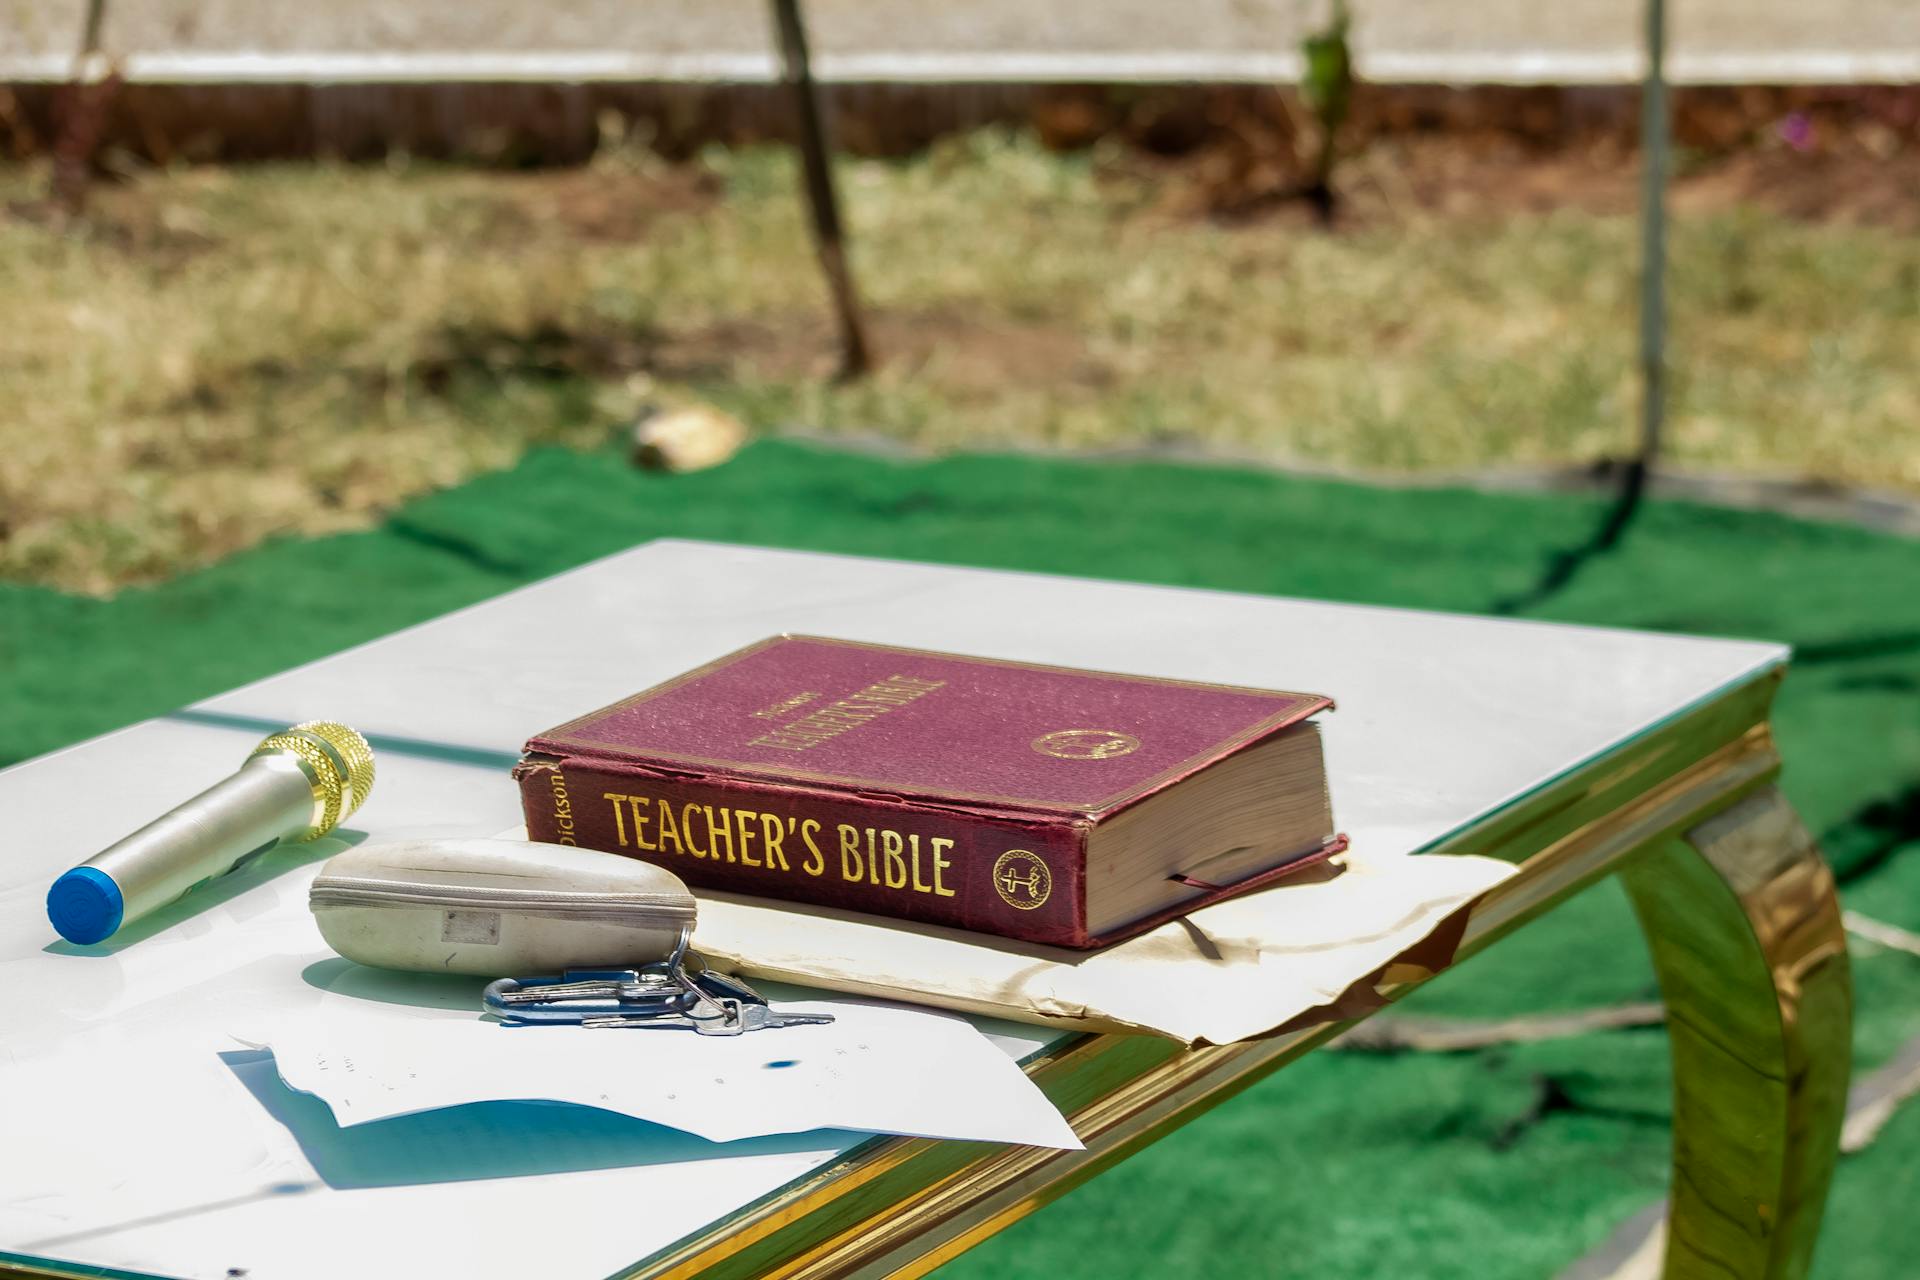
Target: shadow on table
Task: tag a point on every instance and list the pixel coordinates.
(382, 743)
(343, 977)
(33, 1255)
(485, 1139)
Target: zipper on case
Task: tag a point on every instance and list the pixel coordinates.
(639, 909)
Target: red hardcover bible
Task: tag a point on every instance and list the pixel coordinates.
(1042, 803)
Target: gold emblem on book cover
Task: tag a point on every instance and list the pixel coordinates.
(1021, 879)
(1085, 744)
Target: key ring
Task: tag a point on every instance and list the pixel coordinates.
(661, 995)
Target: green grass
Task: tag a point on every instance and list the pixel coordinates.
(225, 355)
(1346, 1165)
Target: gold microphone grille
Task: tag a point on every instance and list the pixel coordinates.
(339, 763)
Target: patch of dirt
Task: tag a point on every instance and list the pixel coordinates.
(966, 353)
(986, 354)
(1237, 154)
(604, 203)
(549, 352)
(127, 221)
(1865, 190)
(1397, 180)
(467, 353)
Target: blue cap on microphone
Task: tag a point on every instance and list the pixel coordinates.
(85, 905)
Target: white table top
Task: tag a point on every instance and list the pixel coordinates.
(1442, 720)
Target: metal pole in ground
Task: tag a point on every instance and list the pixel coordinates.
(1563, 567)
(82, 115)
(1654, 145)
(828, 234)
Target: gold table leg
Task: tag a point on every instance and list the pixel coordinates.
(1744, 926)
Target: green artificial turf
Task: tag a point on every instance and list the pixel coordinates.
(1499, 1163)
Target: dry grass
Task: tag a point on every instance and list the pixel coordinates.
(222, 355)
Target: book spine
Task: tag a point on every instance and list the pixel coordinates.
(859, 852)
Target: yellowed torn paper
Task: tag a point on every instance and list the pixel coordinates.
(1229, 972)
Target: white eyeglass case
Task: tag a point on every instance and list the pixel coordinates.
(498, 908)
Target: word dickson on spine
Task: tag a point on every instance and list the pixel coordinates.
(1042, 803)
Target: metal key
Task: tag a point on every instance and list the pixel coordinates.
(737, 1018)
(582, 993)
(661, 995)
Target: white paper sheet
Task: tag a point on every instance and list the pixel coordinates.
(873, 1069)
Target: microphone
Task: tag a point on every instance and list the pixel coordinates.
(297, 785)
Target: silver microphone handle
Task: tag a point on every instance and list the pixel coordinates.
(267, 799)
(297, 784)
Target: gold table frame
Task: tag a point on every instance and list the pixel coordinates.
(1741, 916)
